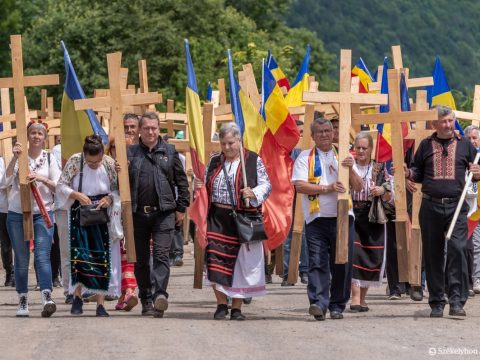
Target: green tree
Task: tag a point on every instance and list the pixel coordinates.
(9, 24)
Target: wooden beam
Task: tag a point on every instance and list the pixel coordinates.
(360, 119)
(345, 97)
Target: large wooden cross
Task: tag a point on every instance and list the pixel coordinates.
(473, 116)
(345, 98)
(211, 147)
(395, 117)
(19, 82)
(6, 143)
(116, 102)
(415, 246)
(398, 64)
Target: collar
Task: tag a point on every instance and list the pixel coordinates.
(455, 136)
(159, 146)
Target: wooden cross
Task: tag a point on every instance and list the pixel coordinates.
(19, 82)
(345, 98)
(415, 246)
(398, 64)
(395, 117)
(211, 147)
(6, 143)
(116, 101)
(143, 79)
(47, 113)
(474, 116)
(172, 121)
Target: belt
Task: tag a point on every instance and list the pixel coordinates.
(222, 206)
(148, 209)
(361, 204)
(441, 200)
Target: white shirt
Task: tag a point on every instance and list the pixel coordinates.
(51, 172)
(328, 202)
(3, 190)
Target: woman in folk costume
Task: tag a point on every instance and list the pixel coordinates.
(44, 172)
(233, 269)
(369, 245)
(90, 178)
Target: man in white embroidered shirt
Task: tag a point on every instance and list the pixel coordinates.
(315, 176)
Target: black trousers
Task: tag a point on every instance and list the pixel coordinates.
(435, 219)
(329, 284)
(158, 226)
(6, 245)
(55, 254)
(394, 285)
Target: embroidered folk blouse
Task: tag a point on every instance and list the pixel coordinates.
(440, 165)
(220, 190)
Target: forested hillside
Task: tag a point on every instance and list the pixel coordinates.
(424, 28)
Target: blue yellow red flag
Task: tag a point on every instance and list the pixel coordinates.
(294, 96)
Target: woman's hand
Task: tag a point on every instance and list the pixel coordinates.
(197, 184)
(35, 177)
(105, 202)
(377, 191)
(82, 198)
(17, 150)
(348, 162)
(248, 193)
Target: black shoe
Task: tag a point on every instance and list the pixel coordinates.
(416, 293)
(69, 299)
(158, 313)
(77, 306)
(364, 308)
(9, 278)
(101, 312)
(437, 311)
(178, 261)
(247, 301)
(236, 314)
(304, 278)
(336, 315)
(56, 282)
(317, 312)
(395, 296)
(457, 310)
(221, 313)
(147, 307)
(286, 283)
(355, 308)
(12, 282)
(268, 279)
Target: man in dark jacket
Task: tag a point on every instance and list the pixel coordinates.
(155, 170)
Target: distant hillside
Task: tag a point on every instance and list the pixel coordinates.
(424, 28)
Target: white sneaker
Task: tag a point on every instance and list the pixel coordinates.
(49, 306)
(476, 286)
(22, 310)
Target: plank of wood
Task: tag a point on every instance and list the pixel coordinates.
(345, 97)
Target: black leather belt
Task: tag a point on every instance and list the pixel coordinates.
(149, 209)
(441, 200)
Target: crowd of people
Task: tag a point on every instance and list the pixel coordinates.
(80, 208)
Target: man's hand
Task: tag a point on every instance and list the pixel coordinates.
(338, 187)
(475, 170)
(410, 186)
(179, 216)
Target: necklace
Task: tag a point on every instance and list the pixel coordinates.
(365, 174)
(39, 164)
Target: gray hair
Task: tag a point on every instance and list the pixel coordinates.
(443, 111)
(471, 128)
(37, 126)
(365, 135)
(229, 128)
(319, 121)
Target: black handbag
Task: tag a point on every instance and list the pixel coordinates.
(250, 226)
(89, 215)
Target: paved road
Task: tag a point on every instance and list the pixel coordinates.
(278, 327)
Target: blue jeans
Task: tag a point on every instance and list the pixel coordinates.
(329, 284)
(303, 268)
(21, 248)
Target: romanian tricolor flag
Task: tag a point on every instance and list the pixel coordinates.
(246, 115)
(361, 70)
(75, 125)
(277, 73)
(439, 93)
(199, 208)
(295, 94)
(280, 138)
